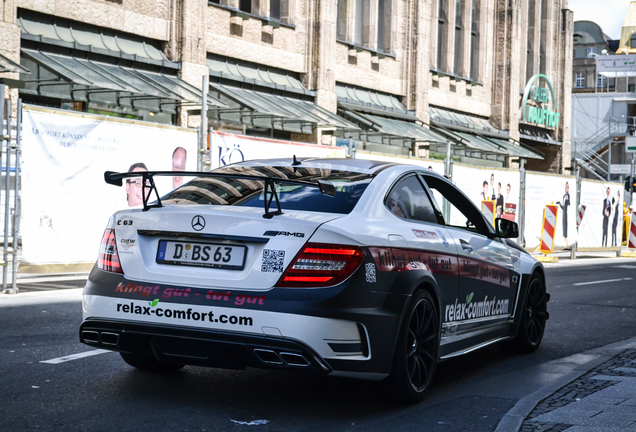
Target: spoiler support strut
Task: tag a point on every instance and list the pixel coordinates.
(269, 191)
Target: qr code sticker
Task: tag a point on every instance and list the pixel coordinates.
(370, 271)
(273, 261)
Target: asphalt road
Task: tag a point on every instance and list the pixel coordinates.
(593, 304)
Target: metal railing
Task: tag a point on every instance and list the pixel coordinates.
(622, 126)
(590, 153)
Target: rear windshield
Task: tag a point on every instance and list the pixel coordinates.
(238, 192)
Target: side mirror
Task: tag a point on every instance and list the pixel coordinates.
(506, 228)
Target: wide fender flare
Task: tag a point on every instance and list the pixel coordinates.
(408, 282)
(538, 269)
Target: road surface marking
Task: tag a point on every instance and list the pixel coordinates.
(75, 356)
(602, 281)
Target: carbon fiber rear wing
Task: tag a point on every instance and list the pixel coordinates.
(148, 182)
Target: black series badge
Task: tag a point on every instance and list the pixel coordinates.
(198, 223)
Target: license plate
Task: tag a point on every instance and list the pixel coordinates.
(231, 257)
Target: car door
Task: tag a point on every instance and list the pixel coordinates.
(487, 282)
(418, 240)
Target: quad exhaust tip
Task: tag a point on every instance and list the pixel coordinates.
(284, 358)
(100, 338)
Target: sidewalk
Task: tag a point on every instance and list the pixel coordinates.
(599, 395)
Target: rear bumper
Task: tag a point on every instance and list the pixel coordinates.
(201, 347)
(347, 330)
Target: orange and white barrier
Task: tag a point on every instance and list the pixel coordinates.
(488, 209)
(579, 215)
(549, 229)
(631, 236)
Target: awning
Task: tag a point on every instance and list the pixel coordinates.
(499, 146)
(8, 65)
(58, 31)
(387, 130)
(256, 74)
(274, 111)
(68, 77)
(480, 146)
(464, 123)
(536, 135)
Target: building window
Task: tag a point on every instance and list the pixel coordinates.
(591, 52)
(381, 18)
(441, 27)
(579, 81)
(274, 9)
(245, 6)
(530, 63)
(474, 41)
(358, 36)
(458, 38)
(601, 81)
(632, 41)
(341, 21)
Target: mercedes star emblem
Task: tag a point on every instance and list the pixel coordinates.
(198, 223)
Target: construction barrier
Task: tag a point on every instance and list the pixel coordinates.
(631, 239)
(488, 209)
(579, 215)
(549, 228)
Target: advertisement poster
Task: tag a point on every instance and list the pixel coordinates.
(65, 201)
(602, 223)
(489, 184)
(229, 148)
(550, 189)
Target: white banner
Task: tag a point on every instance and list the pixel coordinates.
(66, 203)
(544, 189)
(229, 148)
(602, 223)
(616, 65)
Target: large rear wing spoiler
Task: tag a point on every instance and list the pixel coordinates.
(148, 182)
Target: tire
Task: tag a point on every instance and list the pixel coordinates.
(149, 363)
(416, 350)
(533, 318)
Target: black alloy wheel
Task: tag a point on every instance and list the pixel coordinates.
(533, 317)
(416, 351)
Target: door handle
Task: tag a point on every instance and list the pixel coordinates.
(466, 246)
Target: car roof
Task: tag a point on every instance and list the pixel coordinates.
(372, 167)
(340, 164)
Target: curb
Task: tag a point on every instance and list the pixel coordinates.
(513, 420)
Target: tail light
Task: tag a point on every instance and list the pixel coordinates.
(108, 259)
(322, 265)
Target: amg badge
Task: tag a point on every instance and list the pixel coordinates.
(283, 233)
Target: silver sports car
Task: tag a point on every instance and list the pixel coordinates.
(346, 267)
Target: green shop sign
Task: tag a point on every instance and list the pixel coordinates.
(539, 104)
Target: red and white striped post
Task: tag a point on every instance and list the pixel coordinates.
(631, 239)
(579, 215)
(549, 229)
(488, 209)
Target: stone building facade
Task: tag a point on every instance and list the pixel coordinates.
(396, 76)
